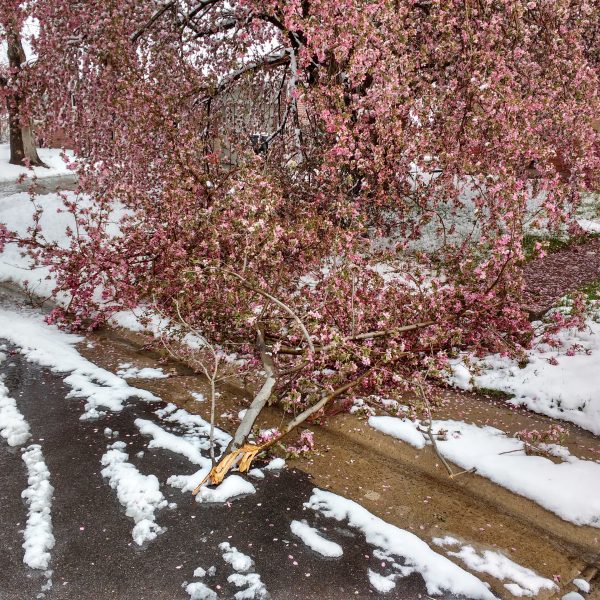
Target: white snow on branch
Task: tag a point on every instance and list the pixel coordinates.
(313, 539)
(38, 496)
(13, 426)
(139, 494)
(439, 573)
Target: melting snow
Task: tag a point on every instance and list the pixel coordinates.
(38, 496)
(128, 371)
(523, 581)
(13, 426)
(439, 573)
(569, 489)
(312, 538)
(401, 429)
(139, 494)
(231, 487)
(567, 390)
(242, 563)
(49, 347)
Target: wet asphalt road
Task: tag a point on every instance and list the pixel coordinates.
(45, 185)
(95, 557)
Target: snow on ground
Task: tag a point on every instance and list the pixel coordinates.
(275, 464)
(13, 426)
(194, 425)
(313, 539)
(591, 226)
(139, 494)
(401, 429)
(49, 347)
(582, 585)
(522, 581)
(254, 588)
(381, 583)
(439, 573)
(570, 489)
(170, 441)
(128, 371)
(38, 497)
(51, 156)
(567, 390)
(200, 591)
(231, 487)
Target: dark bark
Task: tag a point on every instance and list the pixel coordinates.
(23, 151)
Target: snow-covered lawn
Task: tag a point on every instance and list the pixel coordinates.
(51, 156)
(556, 382)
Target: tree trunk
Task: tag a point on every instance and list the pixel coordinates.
(22, 141)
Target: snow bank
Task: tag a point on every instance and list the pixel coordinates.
(13, 426)
(313, 539)
(570, 489)
(567, 390)
(439, 573)
(139, 494)
(523, 581)
(401, 429)
(50, 156)
(49, 347)
(38, 496)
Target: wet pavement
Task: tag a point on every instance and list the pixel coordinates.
(41, 186)
(95, 556)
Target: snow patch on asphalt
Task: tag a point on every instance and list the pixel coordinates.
(13, 426)
(275, 465)
(313, 539)
(49, 347)
(193, 425)
(139, 494)
(243, 577)
(439, 573)
(381, 583)
(190, 448)
(38, 536)
(569, 489)
(522, 581)
(231, 487)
